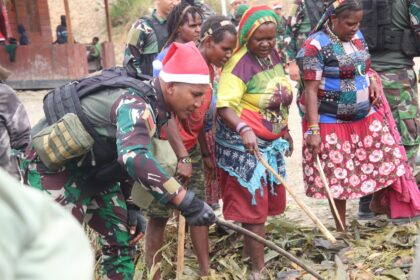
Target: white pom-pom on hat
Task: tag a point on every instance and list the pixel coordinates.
(157, 65)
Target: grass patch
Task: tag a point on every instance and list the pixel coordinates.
(126, 11)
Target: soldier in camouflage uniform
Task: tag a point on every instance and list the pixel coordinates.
(400, 88)
(399, 78)
(131, 120)
(146, 39)
(396, 71)
(15, 129)
(280, 46)
(299, 22)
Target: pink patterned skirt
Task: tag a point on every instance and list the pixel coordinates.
(358, 158)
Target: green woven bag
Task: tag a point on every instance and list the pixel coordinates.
(62, 141)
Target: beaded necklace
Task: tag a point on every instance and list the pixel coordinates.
(334, 38)
(266, 64)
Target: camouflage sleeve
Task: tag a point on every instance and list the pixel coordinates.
(282, 26)
(138, 43)
(414, 11)
(15, 118)
(135, 127)
(292, 25)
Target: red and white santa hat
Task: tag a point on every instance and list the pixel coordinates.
(277, 6)
(184, 64)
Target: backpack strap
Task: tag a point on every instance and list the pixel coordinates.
(314, 10)
(160, 32)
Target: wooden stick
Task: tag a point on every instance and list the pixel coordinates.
(108, 21)
(181, 243)
(269, 244)
(327, 188)
(302, 205)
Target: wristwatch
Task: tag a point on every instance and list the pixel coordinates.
(186, 160)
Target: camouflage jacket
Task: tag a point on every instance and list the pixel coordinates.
(297, 27)
(414, 11)
(280, 39)
(15, 128)
(136, 125)
(143, 43)
(302, 18)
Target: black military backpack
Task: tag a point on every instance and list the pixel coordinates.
(66, 99)
(314, 11)
(376, 27)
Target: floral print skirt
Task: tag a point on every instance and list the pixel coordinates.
(358, 158)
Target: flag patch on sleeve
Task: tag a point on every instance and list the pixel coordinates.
(150, 124)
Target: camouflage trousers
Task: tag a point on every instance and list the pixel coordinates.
(106, 213)
(280, 46)
(400, 88)
(196, 184)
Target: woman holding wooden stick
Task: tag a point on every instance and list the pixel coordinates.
(341, 121)
(253, 102)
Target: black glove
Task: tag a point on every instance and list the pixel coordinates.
(136, 222)
(196, 211)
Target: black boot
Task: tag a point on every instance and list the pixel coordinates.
(364, 211)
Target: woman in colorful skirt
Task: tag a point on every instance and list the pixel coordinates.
(341, 123)
(253, 104)
(217, 41)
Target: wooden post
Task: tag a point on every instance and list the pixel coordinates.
(70, 38)
(181, 244)
(108, 21)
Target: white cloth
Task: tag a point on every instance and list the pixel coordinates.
(39, 240)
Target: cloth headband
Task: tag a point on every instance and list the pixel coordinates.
(327, 14)
(214, 28)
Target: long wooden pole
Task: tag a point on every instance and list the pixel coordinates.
(180, 250)
(328, 190)
(70, 38)
(302, 205)
(108, 21)
(270, 245)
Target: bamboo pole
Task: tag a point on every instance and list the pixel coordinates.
(70, 38)
(270, 245)
(181, 243)
(327, 188)
(302, 205)
(108, 21)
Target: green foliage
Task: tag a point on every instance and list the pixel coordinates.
(215, 5)
(126, 11)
